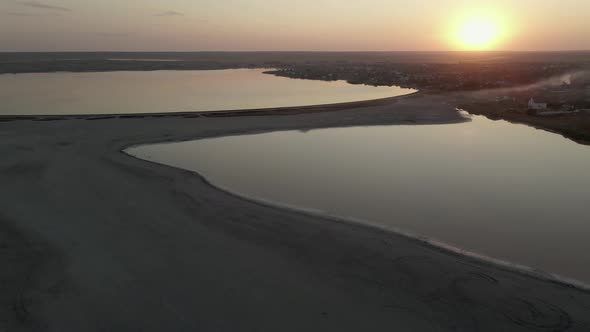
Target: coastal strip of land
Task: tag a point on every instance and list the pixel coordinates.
(100, 241)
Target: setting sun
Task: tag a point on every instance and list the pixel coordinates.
(478, 33)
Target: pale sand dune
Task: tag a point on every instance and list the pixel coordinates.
(127, 245)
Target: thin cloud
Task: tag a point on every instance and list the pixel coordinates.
(19, 14)
(169, 13)
(112, 34)
(41, 5)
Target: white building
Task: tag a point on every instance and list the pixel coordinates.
(537, 106)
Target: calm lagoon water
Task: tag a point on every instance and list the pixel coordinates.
(503, 190)
(170, 91)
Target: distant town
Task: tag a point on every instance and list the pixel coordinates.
(552, 95)
(569, 88)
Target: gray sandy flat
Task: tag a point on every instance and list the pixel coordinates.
(92, 239)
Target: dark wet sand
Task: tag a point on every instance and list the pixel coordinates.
(100, 241)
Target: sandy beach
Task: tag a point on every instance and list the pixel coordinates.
(92, 239)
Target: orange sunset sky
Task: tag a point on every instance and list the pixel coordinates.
(315, 25)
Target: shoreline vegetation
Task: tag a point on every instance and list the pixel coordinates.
(143, 244)
(575, 126)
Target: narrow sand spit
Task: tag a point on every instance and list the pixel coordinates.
(100, 241)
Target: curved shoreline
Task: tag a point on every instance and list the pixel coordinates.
(432, 242)
(436, 244)
(151, 247)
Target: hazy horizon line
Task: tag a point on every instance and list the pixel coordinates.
(315, 51)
